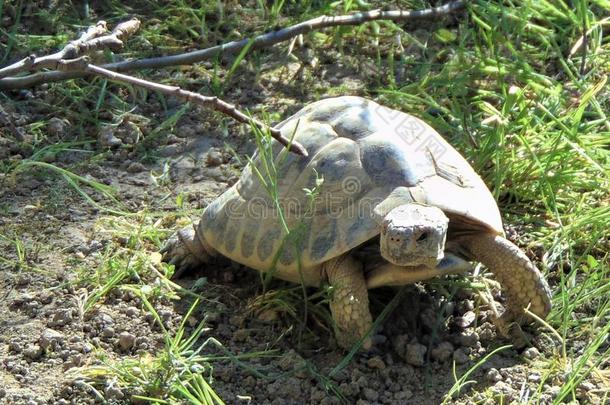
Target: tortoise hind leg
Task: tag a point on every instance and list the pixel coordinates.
(349, 304)
(187, 250)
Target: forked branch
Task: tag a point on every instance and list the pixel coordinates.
(261, 41)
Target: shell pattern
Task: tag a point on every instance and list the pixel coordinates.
(366, 154)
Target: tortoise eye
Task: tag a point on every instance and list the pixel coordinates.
(422, 237)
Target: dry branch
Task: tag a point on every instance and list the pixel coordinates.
(261, 41)
(209, 102)
(73, 58)
(91, 40)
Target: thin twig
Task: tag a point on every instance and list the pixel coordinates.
(261, 41)
(91, 40)
(209, 102)
(73, 58)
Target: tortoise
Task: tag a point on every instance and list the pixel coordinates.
(375, 176)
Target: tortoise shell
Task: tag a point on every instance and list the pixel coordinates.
(361, 154)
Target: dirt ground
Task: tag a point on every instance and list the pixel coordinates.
(45, 337)
(47, 340)
(55, 239)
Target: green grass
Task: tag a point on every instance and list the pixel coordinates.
(511, 85)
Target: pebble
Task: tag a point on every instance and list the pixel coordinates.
(465, 320)
(62, 317)
(493, 375)
(531, 353)
(460, 357)
(126, 340)
(534, 377)
(132, 311)
(554, 391)
(290, 360)
(403, 395)
(106, 137)
(399, 343)
(415, 353)
(57, 127)
(135, 167)
(107, 332)
(375, 362)
(214, 158)
(15, 346)
(503, 388)
(50, 338)
(113, 392)
(429, 318)
(466, 338)
(370, 394)
(442, 352)
(33, 352)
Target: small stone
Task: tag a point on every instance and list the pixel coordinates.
(465, 320)
(126, 340)
(465, 306)
(415, 353)
(105, 319)
(107, 332)
(429, 318)
(266, 315)
(375, 362)
(106, 137)
(534, 377)
(466, 338)
(135, 167)
(403, 395)
(505, 389)
(33, 352)
(58, 127)
(214, 158)
(15, 346)
(531, 353)
(132, 311)
(62, 317)
(370, 394)
(290, 360)
(460, 357)
(493, 375)
(442, 352)
(399, 343)
(50, 339)
(487, 332)
(113, 392)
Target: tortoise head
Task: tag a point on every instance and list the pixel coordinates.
(414, 234)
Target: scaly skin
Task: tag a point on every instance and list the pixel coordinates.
(350, 302)
(186, 250)
(522, 282)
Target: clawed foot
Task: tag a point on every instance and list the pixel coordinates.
(511, 330)
(185, 251)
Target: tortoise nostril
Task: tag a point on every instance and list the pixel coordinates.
(422, 237)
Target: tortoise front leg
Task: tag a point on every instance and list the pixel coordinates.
(349, 304)
(187, 250)
(521, 281)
